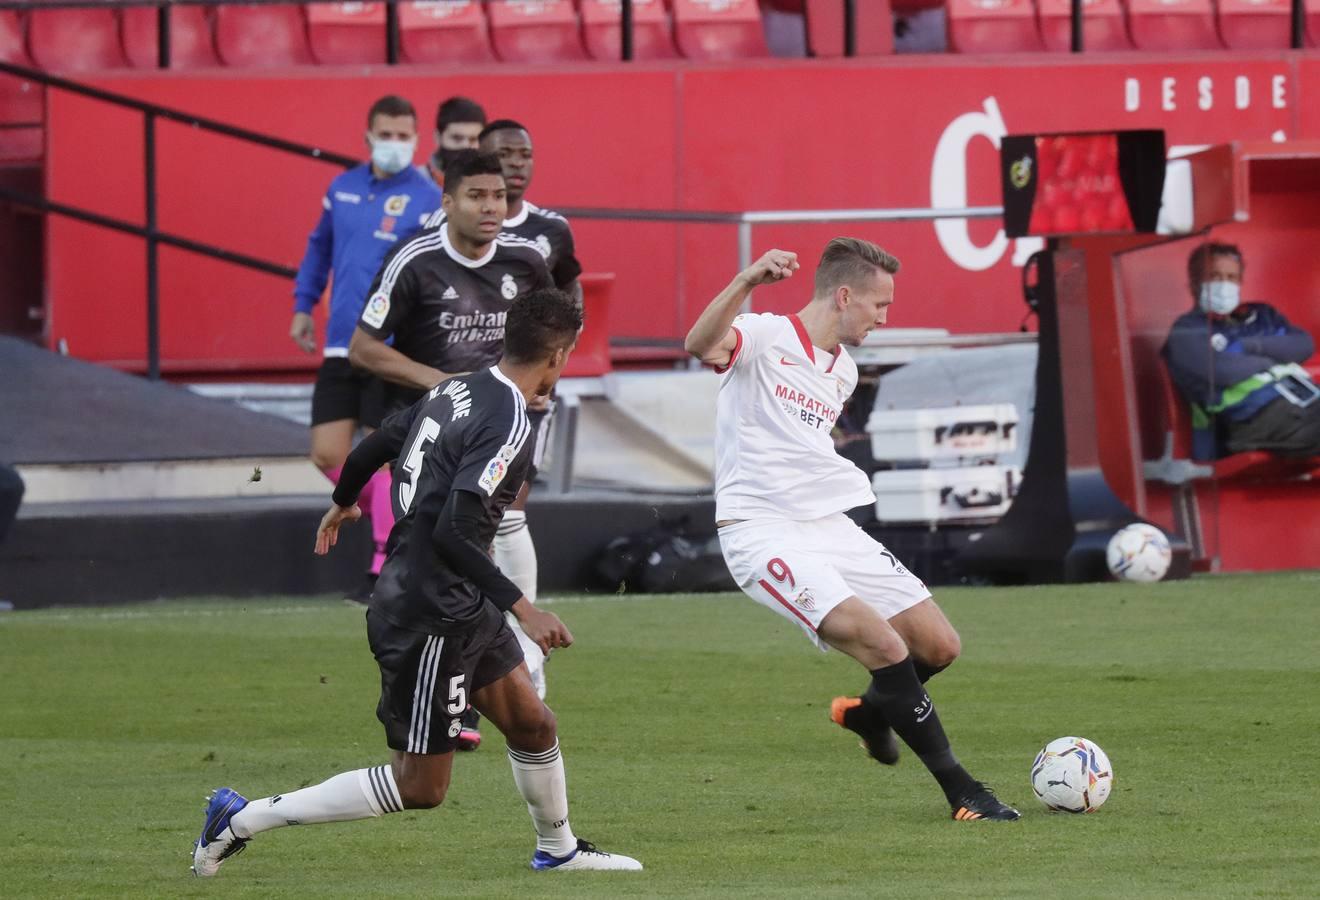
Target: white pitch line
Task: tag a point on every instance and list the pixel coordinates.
(83, 615)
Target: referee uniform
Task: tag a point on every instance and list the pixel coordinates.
(363, 218)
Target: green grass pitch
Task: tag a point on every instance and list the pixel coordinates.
(697, 738)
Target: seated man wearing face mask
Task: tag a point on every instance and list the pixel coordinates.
(367, 212)
(1238, 365)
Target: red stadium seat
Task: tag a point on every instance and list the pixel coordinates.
(342, 34)
(1173, 25)
(825, 31)
(1253, 465)
(1104, 25)
(253, 37)
(75, 40)
(993, 26)
(20, 101)
(652, 37)
(12, 45)
(190, 37)
(444, 31)
(1256, 24)
(535, 31)
(719, 29)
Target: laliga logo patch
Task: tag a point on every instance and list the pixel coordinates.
(493, 475)
(1219, 342)
(508, 288)
(396, 204)
(543, 244)
(1019, 174)
(378, 307)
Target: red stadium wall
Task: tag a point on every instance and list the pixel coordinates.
(777, 135)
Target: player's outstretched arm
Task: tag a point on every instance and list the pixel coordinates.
(711, 339)
(380, 359)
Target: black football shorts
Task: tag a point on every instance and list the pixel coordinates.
(344, 392)
(427, 680)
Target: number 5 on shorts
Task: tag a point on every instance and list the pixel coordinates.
(457, 696)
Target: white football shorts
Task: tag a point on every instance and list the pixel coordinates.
(802, 570)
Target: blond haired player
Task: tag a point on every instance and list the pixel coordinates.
(781, 491)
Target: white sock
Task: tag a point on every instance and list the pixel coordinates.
(363, 794)
(516, 557)
(514, 552)
(540, 780)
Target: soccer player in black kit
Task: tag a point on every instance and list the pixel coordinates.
(442, 298)
(443, 295)
(435, 624)
(511, 143)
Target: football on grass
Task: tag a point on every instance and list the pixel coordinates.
(1072, 774)
(1138, 552)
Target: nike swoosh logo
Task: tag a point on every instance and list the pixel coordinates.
(211, 833)
(785, 361)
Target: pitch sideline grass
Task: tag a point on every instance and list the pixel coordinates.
(696, 734)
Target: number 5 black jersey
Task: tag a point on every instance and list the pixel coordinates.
(470, 433)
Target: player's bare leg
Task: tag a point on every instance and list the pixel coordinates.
(930, 637)
(422, 778)
(529, 727)
(331, 444)
(895, 698)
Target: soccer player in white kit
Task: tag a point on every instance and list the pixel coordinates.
(781, 492)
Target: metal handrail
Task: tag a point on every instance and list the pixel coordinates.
(172, 240)
(745, 220)
(779, 217)
(177, 115)
(150, 232)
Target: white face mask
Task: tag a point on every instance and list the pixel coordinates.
(392, 157)
(1220, 297)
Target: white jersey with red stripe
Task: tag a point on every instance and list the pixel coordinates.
(778, 403)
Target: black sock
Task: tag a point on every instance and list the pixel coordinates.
(866, 719)
(897, 695)
(925, 671)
